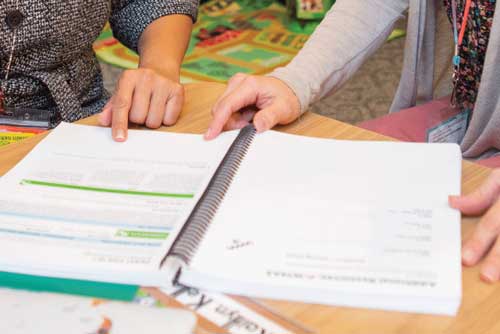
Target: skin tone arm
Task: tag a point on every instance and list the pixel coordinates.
(151, 95)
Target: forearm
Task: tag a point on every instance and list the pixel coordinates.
(350, 33)
(163, 44)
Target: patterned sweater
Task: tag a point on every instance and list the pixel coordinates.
(54, 65)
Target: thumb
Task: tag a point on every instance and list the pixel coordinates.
(481, 199)
(267, 118)
(104, 118)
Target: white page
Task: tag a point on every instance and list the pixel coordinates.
(80, 202)
(359, 217)
(34, 313)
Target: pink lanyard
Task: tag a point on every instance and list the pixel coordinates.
(459, 37)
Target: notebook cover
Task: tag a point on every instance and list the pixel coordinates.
(74, 287)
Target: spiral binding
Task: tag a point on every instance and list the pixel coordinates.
(199, 221)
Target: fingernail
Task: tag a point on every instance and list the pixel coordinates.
(489, 274)
(259, 125)
(455, 202)
(120, 135)
(468, 256)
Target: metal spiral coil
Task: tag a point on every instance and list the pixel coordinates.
(203, 213)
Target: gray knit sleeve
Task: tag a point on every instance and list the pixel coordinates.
(129, 18)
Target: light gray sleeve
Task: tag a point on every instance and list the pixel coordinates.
(350, 33)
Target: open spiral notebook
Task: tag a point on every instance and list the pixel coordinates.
(362, 224)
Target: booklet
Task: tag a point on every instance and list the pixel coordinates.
(12, 134)
(350, 223)
(34, 313)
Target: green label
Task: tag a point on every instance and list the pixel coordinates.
(141, 234)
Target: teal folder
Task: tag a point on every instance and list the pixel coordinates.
(69, 286)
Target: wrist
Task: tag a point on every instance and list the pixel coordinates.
(167, 69)
(292, 97)
(296, 85)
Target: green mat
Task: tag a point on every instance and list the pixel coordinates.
(230, 36)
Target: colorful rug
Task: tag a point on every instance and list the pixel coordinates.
(230, 36)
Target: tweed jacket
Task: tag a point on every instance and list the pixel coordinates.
(54, 65)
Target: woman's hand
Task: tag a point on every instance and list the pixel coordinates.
(485, 240)
(144, 97)
(151, 95)
(275, 101)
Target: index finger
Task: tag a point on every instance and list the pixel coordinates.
(243, 96)
(233, 82)
(122, 102)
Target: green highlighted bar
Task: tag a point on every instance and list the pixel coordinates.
(68, 286)
(103, 190)
(142, 234)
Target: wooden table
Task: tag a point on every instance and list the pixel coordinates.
(480, 310)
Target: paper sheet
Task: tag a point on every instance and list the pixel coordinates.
(326, 215)
(80, 201)
(33, 313)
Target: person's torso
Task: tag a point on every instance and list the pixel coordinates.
(53, 67)
(481, 137)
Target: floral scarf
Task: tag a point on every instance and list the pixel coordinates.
(473, 49)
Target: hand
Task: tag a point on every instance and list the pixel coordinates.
(276, 102)
(143, 97)
(485, 238)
